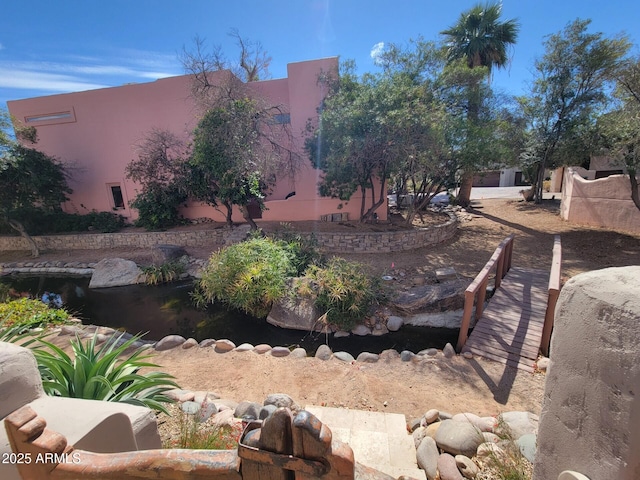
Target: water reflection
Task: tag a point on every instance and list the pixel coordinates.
(167, 309)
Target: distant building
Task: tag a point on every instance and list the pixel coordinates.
(96, 132)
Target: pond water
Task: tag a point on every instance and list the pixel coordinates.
(167, 309)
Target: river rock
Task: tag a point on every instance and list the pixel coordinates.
(484, 424)
(341, 334)
(262, 348)
(223, 346)
(361, 330)
(389, 355)
(418, 435)
(344, 356)
(458, 438)
(206, 410)
(467, 468)
(190, 407)
(406, 355)
(394, 323)
(207, 342)
(296, 312)
(323, 352)
(448, 351)
(267, 411)
(190, 343)
(427, 457)
(438, 297)
(298, 352)
(244, 347)
(169, 342)
(431, 416)
(448, 468)
(280, 352)
(433, 429)
(166, 253)
(517, 424)
(115, 272)
(527, 445)
(279, 400)
(247, 409)
(223, 418)
(368, 357)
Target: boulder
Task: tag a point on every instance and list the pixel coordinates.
(279, 400)
(247, 410)
(448, 468)
(296, 312)
(427, 456)
(517, 424)
(169, 342)
(344, 356)
(166, 253)
(115, 272)
(434, 298)
(323, 352)
(458, 438)
(394, 323)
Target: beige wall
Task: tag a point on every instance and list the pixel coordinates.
(605, 202)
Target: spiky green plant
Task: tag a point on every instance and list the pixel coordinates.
(343, 290)
(99, 373)
(248, 276)
(165, 273)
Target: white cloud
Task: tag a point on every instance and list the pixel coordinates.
(32, 80)
(377, 50)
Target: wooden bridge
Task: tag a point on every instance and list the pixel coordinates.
(517, 323)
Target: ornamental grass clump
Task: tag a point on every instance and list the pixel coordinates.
(343, 290)
(248, 276)
(99, 373)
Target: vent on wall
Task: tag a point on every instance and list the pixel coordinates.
(62, 116)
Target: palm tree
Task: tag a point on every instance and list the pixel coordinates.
(480, 39)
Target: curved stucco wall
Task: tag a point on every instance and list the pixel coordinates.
(605, 202)
(590, 419)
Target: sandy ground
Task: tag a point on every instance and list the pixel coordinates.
(454, 385)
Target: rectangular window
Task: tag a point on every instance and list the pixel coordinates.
(116, 195)
(63, 115)
(282, 118)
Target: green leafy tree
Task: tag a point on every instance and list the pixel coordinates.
(480, 40)
(569, 92)
(620, 128)
(30, 182)
(381, 126)
(162, 171)
(238, 153)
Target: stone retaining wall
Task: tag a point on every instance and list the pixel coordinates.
(374, 242)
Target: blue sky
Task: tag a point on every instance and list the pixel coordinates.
(49, 47)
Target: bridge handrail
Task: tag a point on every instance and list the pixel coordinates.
(554, 293)
(501, 259)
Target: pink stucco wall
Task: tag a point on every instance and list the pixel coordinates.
(98, 130)
(605, 202)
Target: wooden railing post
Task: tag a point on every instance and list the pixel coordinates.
(469, 298)
(554, 293)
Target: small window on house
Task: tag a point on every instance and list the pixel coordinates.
(49, 117)
(116, 194)
(282, 118)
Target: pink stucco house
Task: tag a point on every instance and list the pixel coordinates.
(95, 132)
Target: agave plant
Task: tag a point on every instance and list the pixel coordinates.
(99, 373)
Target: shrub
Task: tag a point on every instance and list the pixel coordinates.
(165, 273)
(158, 209)
(98, 373)
(304, 249)
(27, 313)
(45, 222)
(343, 290)
(248, 276)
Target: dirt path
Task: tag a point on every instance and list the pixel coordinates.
(454, 385)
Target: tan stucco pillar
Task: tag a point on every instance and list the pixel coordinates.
(590, 419)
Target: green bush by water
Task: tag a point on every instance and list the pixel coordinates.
(26, 313)
(248, 276)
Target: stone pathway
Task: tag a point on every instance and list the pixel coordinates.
(379, 440)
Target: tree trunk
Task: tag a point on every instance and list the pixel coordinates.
(229, 208)
(464, 193)
(35, 251)
(635, 196)
(247, 217)
(537, 188)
